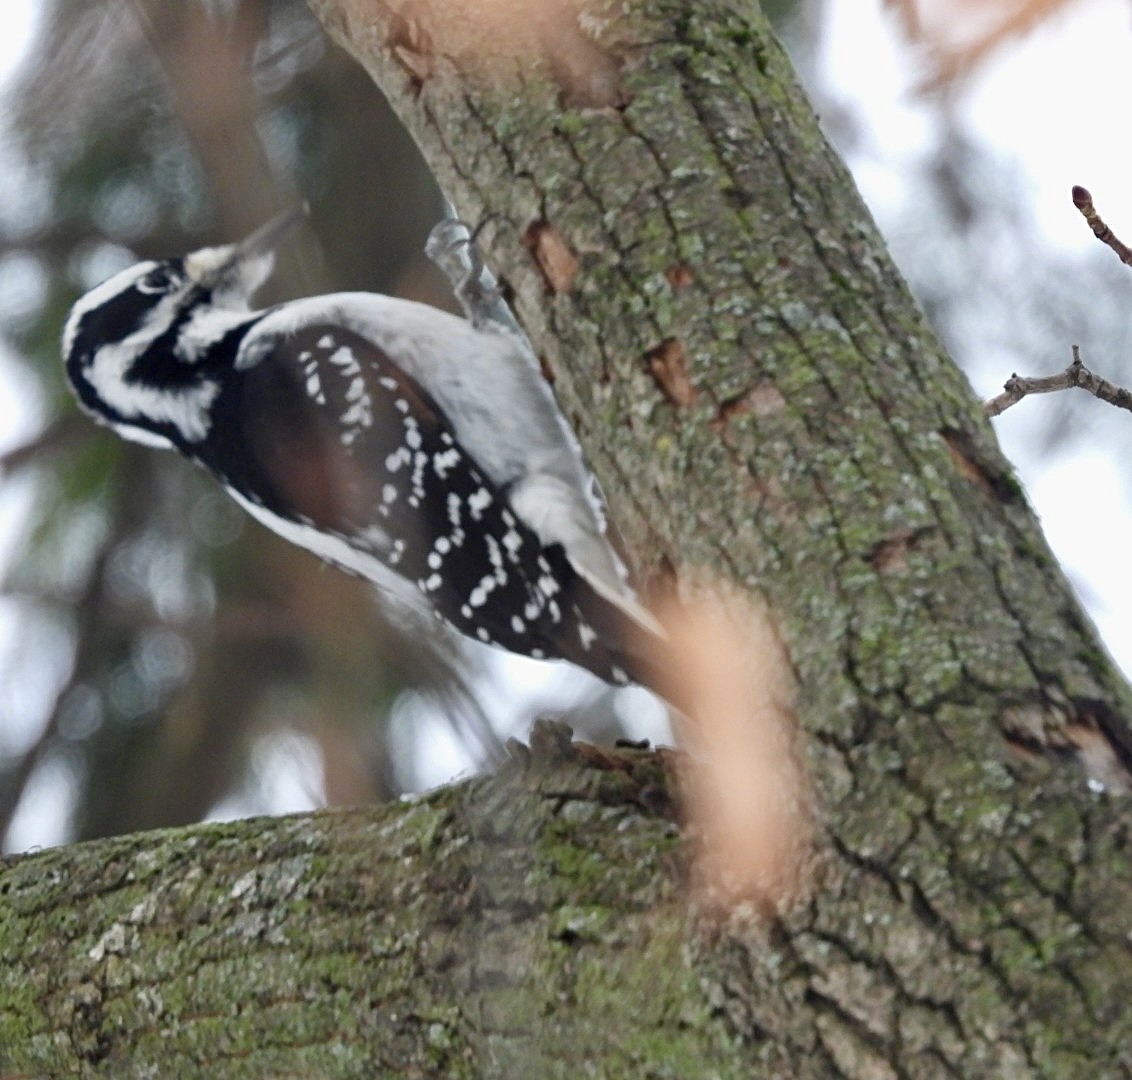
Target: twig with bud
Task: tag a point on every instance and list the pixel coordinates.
(1017, 387)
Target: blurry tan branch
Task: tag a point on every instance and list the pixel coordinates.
(958, 35)
(208, 73)
(744, 786)
(500, 39)
(1016, 387)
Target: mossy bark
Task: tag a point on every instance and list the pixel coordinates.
(474, 932)
(761, 399)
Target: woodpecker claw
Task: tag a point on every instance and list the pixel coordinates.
(452, 247)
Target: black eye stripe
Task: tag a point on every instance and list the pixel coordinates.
(112, 321)
(130, 310)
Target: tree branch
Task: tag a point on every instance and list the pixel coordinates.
(1076, 375)
(70, 428)
(446, 936)
(1083, 200)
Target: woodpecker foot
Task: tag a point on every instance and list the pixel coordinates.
(451, 247)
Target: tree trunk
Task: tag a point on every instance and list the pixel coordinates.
(763, 400)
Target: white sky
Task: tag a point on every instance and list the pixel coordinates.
(1057, 105)
(1056, 101)
(17, 21)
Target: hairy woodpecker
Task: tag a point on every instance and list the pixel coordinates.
(417, 449)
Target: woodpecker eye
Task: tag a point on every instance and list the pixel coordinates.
(160, 279)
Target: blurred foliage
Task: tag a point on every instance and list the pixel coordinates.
(181, 635)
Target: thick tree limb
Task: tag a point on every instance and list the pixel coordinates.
(337, 944)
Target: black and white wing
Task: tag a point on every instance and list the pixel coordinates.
(328, 442)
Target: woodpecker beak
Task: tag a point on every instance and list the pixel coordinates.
(271, 233)
(232, 273)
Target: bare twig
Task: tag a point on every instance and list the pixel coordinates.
(1016, 387)
(1084, 202)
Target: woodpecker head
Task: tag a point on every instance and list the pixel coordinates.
(144, 351)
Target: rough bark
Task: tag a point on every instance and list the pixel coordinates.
(762, 399)
(473, 932)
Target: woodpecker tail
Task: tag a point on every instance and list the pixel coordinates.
(619, 641)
